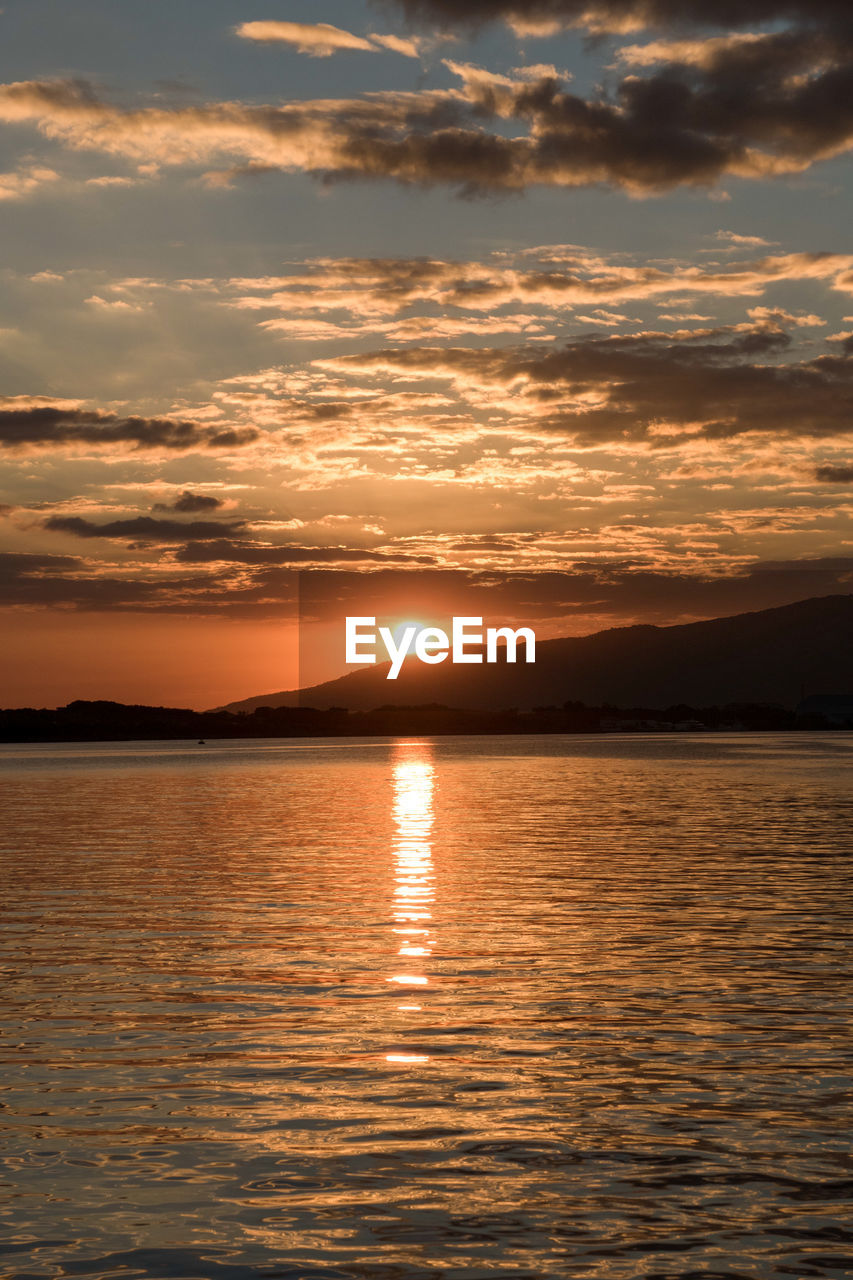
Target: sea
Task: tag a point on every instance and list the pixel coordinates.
(456, 1008)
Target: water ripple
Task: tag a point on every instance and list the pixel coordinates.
(442, 1010)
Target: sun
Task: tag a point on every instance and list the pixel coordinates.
(401, 629)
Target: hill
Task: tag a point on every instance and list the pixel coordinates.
(776, 656)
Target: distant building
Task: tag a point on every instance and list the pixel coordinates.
(835, 708)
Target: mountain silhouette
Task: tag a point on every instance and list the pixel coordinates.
(776, 656)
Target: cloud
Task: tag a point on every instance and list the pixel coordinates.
(659, 389)
(547, 16)
(834, 474)
(579, 598)
(110, 180)
(695, 52)
(143, 529)
(740, 241)
(408, 46)
(115, 305)
(190, 503)
(35, 422)
(33, 179)
(777, 316)
(583, 598)
(320, 40)
(258, 554)
(369, 288)
(213, 542)
(26, 181)
(26, 564)
(756, 109)
(40, 581)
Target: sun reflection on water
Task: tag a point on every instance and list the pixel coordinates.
(413, 777)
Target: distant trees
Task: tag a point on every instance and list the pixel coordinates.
(114, 722)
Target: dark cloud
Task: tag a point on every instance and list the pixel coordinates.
(36, 425)
(616, 15)
(749, 108)
(657, 387)
(597, 591)
(211, 541)
(45, 580)
(254, 554)
(14, 565)
(143, 529)
(755, 109)
(190, 503)
(585, 596)
(834, 474)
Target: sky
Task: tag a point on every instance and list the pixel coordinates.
(552, 301)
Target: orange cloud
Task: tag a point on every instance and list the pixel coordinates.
(321, 39)
(385, 287)
(26, 181)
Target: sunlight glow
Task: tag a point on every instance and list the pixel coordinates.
(400, 631)
(414, 875)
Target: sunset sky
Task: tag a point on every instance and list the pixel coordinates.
(557, 294)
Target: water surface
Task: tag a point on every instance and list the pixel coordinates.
(460, 1008)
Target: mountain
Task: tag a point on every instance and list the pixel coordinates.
(774, 656)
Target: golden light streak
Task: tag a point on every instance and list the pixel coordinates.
(413, 778)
